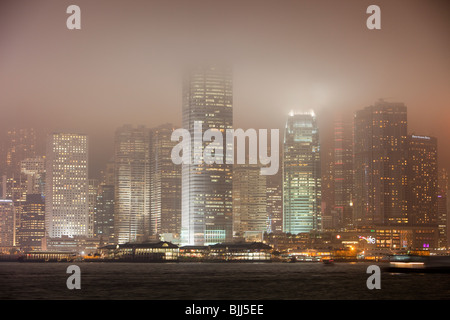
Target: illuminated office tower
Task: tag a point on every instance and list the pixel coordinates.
(422, 180)
(442, 207)
(165, 183)
(207, 188)
(380, 180)
(343, 171)
(7, 223)
(301, 174)
(132, 184)
(249, 200)
(66, 187)
(31, 231)
(104, 214)
(34, 170)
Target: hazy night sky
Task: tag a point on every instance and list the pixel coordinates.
(124, 65)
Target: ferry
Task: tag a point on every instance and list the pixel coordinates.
(421, 264)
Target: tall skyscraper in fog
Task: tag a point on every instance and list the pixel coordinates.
(442, 204)
(380, 180)
(132, 184)
(66, 187)
(20, 145)
(165, 183)
(207, 188)
(301, 174)
(342, 164)
(422, 180)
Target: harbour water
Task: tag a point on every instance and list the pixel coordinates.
(216, 281)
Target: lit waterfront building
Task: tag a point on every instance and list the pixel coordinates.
(66, 187)
(165, 184)
(132, 184)
(380, 180)
(422, 180)
(7, 224)
(249, 201)
(301, 174)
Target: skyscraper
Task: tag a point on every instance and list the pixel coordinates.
(249, 200)
(343, 171)
(34, 170)
(104, 214)
(31, 231)
(207, 188)
(274, 197)
(165, 184)
(66, 187)
(92, 201)
(442, 204)
(7, 223)
(301, 174)
(20, 145)
(380, 181)
(422, 180)
(132, 184)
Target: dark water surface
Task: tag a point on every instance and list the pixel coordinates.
(211, 281)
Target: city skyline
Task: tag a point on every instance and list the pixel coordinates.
(96, 82)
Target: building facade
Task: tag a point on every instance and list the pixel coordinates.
(207, 188)
(301, 174)
(250, 214)
(422, 180)
(380, 166)
(132, 184)
(165, 184)
(66, 187)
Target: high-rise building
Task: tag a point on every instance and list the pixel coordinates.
(442, 207)
(34, 170)
(422, 180)
(93, 186)
(207, 188)
(20, 145)
(343, 171)
(330, 218)
(104, 214)
(31, 231)
(380, 180)
(274, 197)
(301, 174)
(7, 224)
(165, 184)
(132, 184)
(66, 187)
(249, 200)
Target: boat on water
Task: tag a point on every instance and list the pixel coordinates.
(421, 264)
